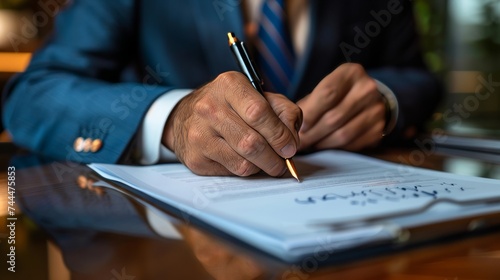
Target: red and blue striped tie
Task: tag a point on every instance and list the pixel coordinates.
(275, 51)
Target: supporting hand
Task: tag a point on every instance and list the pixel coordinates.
(344, 111)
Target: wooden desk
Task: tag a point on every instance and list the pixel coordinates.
(68, 227)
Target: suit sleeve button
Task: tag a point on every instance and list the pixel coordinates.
(78, 144)
(96, 145)
(87, 143)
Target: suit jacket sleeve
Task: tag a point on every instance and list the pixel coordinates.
(402, 69)
(73, 86)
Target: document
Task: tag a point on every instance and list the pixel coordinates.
(345, 201)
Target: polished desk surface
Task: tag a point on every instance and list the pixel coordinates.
(71, 226)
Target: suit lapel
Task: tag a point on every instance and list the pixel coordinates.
(215, 20)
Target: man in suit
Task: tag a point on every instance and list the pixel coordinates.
(154, 80)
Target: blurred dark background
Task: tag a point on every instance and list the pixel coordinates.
(461, 42)
(23, 26)
(460, 39)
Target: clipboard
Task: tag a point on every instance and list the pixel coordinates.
(292, 222)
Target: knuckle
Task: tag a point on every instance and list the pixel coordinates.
(356, 67)
(332, 119)
(293, 116)
(328, 94)
(228, 77)
(195, 136)
(372, 85)
(355, 70)
(295, 113)
(255, 113)
(204, 108)
(298, 111)
(343, 137)
(331, 122)
(194, 165)
(276, 169)
(281, 137)
(245, 168)
(250, 145)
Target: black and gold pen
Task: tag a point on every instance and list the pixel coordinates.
(247, 67)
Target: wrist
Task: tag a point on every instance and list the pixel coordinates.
(152, 131)
(168, 139)
(391, 107)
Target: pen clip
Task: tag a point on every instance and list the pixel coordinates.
(251, 66)
(245, 62)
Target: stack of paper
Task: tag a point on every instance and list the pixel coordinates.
(345, 201)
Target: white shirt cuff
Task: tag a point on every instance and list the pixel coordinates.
(392, 105)
(150, 134)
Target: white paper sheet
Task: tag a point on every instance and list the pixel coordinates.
(290, 219)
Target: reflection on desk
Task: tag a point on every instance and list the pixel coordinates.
(73, 226)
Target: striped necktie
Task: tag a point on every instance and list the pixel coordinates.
(275, 51)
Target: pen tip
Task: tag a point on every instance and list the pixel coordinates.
(291, 167)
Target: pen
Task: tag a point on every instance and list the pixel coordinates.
(247, 67)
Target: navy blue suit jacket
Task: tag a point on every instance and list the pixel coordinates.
(107, 61)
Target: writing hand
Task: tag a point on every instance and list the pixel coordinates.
(344, 111)
(227, 127)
